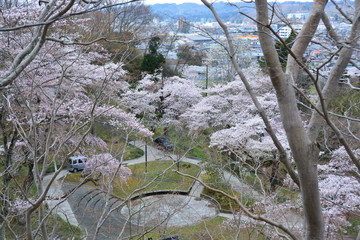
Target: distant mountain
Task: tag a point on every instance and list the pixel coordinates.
(198, 12)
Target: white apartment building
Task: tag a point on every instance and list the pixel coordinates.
(284, 32)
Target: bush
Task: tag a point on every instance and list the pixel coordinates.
(51, 169)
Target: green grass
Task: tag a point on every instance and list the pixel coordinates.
(115, 141)
(208, 229)
(194, 146)
(283, 193)
(65, 230)
(214, 180)
(168, 181)
(51, 169)
(198, 153)
(131, 152)
(355, 223)
(54, 224)
(260, 182)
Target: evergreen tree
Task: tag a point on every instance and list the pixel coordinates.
(281, 49)
(153, 60)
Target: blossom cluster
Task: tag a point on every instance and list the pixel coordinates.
(165, 98)
(106, 165)
(19, 206)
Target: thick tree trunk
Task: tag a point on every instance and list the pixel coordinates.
(304, 151)
(9, 141)
(29, 180)
(304, 37)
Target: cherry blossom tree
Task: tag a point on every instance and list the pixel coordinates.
(59, 88)
(301, 135)
(229, 104)
(236, 128)
(40, 21)
(162, 101)
(106, 166)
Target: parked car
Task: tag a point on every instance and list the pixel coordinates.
(172, 238)
(164, 143)
(77, 163)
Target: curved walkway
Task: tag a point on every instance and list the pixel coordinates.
(288, 218)
(55, 202)
(87, 201)
(156, 154)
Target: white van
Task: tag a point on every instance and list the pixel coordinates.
(77, 163)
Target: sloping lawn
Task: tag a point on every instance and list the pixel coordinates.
(168, 180)
(115, 141)
(160, 174)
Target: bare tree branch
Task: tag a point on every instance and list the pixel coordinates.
(341, 11)
(58, 17)
(242, 206)
(66, 42)
(283, 156)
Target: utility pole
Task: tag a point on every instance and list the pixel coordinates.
(207, 77)
(146, 157)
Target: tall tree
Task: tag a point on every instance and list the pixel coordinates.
(40, 22)
(153, 59)
(49, 101)
(301, 138)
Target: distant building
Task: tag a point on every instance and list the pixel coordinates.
(297, 16)
(183, 26)
(284, 32)
(196, 39)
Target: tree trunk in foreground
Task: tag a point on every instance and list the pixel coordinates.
(304, 151)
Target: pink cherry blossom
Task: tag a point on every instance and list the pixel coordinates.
(106, 165)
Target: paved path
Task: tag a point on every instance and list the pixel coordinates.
(85, 207)
(155, 154)
(197, 187)
(55, 201)
(90, 205)
(170, 210)
(240, 186)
